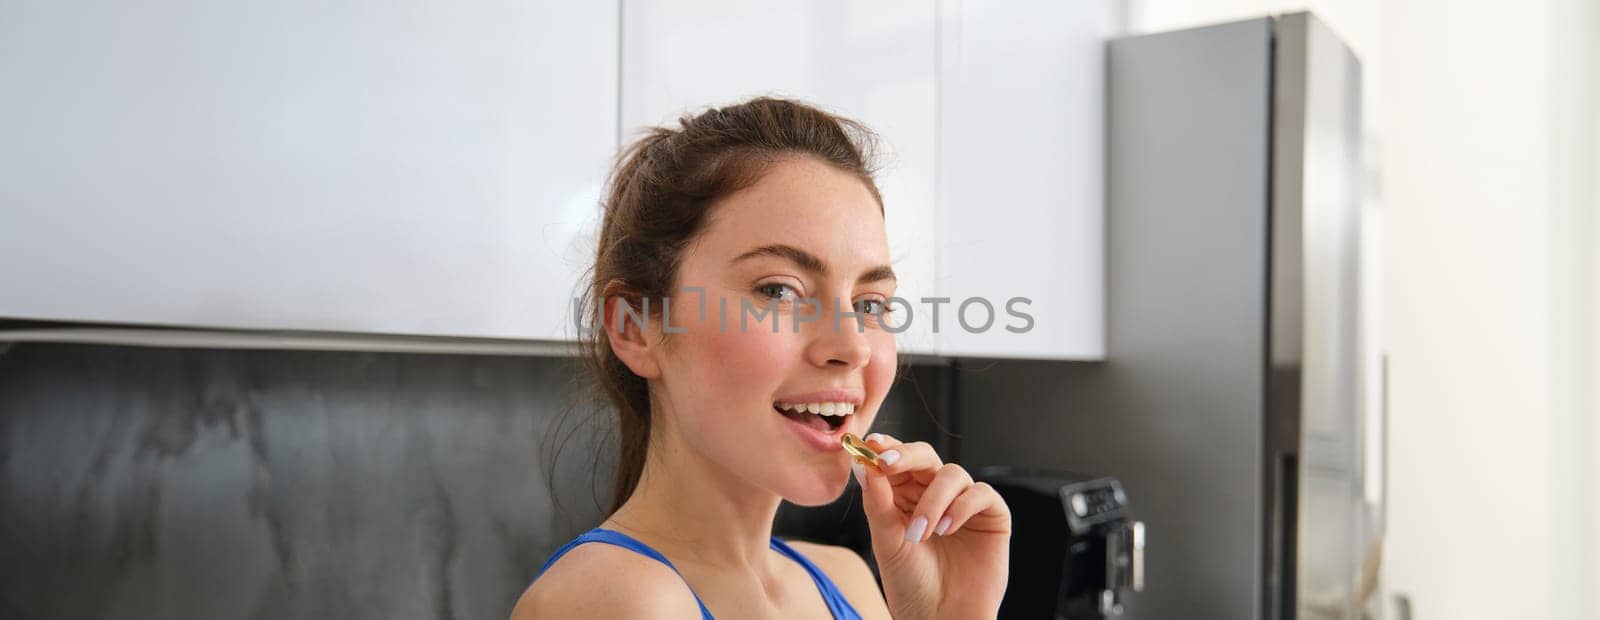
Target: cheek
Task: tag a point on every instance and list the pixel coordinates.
(880, 373)
(744, 366)
(754, 348)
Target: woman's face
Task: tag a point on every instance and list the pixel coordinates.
(805, 230)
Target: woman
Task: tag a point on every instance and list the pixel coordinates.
(732, 222)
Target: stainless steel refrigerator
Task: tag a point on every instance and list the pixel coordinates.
(1230, 404)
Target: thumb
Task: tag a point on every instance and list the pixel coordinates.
(877, 501)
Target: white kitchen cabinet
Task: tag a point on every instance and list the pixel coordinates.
(1021, 176)
(425, 168)
(417, 167)
(992, 119)
(872, 61)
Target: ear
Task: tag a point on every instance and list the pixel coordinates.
(629, 340)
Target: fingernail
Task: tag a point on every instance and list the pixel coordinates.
(889, 457)
(860, 472)
(918, 526)
(944, 524)
(878, 437)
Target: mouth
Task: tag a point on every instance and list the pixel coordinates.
(826, 417)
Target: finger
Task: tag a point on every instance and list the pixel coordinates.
(906, 496)
(885, 520)
(877, 497)
(882, 443)
(948, 483)
(980, 499)
(916, 458)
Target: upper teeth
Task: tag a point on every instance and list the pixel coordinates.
(820, 408)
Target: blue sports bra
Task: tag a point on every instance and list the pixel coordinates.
(830, 594)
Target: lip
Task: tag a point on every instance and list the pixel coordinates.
(823, 441)
(824, 396)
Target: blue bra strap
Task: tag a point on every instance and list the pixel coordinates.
(837, 603)
(619, 539)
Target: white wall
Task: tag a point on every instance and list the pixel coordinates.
(1477, 106)
(1482, 129)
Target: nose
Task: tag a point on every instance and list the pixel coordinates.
(844, 346)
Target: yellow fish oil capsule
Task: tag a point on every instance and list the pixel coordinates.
(858, 449)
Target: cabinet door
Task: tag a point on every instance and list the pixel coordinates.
(1021, 177)
(409, 167)
(872, 61)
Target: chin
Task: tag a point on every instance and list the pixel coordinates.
(816, 491)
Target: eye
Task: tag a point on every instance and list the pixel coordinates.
(880, 308)
(766, 291)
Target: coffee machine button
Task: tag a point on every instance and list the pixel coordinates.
(1080, 506)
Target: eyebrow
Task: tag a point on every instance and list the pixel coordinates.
(810, 262)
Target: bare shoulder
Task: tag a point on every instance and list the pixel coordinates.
(598, 580)
(849, 571)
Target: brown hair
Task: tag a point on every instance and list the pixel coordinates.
(658, 197)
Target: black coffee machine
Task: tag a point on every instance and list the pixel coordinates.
(1074, 551)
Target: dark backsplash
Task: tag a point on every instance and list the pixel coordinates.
(186, 483)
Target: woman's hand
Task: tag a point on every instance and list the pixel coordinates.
(954, 564)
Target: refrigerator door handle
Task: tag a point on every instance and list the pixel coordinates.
(1136, 556)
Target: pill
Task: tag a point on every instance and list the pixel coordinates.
(858, 449)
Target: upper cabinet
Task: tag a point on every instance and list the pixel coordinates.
(410, 167)
(871, 61)
(1021, 177)
(990, 115)
(434, 168)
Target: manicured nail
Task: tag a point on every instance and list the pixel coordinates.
(860, 472)
(944, 524)
(888, 457)
(918, 526)
(878, 437)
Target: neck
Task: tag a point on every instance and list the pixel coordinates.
(692, 509)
